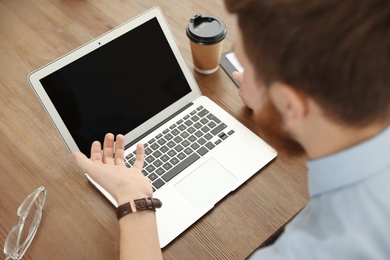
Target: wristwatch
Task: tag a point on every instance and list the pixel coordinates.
(138, 205)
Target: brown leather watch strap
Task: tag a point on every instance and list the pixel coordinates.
(138, 205)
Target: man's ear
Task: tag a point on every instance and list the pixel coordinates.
(291, 104)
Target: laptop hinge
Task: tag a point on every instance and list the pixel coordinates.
(157, 126)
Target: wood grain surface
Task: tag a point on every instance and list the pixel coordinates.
(77, 222)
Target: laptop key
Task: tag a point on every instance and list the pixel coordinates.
(202, 151)
(191, 130)
(188, 150)
(181, 156)
(167, 166)
(150, 168)
(195, 118)
(161, 141)
(192, 138)
(180, 167)
(129, 156)
(154, 146)
(157, 163)
(210, 145)
(156, 154)
(175, 132)
(185, 143)
(171, 144)
(164, 149)
(212, 124)
(188, 123)
(149, 159)
(152, 176)
(160, 171)
(172, 153)
(223, 136)
(212, 117)
(204, 121)
(177, 139)
(164, 158)
(201, 141)
(168, 136)
(178, 148)
(181, 127)
(203, 113)
(205, 129)
(218, 129)
(132, 160)
(184, 134)
(198, 125)
(198, 133)
(174, 161)
(158, 183)
(195, 146)
(208, 136)
(148, 151)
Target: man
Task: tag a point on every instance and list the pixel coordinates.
(317, 73)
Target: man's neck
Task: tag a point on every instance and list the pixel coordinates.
(328, 138)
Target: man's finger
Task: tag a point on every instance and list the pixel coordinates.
(83, 162)
(93, 169)
(238, 76)
(120, 150)
(108, 149)
(139, 157)
(96, 152)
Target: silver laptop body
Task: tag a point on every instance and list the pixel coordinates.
(145, 91)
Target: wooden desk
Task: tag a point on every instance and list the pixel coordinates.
(77, 222)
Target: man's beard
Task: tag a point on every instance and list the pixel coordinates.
(270, 123)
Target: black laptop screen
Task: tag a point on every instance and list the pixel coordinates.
(118, 86)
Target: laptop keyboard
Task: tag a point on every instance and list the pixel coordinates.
(180, 145)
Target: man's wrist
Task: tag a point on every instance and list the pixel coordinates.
(125, 197)
(138, 205)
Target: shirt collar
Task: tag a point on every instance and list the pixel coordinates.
(349, 166)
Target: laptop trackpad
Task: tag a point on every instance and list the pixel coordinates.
(207, 184)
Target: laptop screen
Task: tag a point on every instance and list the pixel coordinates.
(118, 86)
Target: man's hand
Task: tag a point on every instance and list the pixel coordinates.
(239, 76)
(108, 169)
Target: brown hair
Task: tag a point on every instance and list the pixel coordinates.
(335, 51)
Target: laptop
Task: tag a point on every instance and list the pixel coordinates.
(134, 81)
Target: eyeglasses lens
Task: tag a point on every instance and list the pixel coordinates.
(21, 234)
(11, 241)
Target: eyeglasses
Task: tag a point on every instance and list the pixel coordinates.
(22, 234)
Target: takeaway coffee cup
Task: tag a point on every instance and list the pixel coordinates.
(206, 34)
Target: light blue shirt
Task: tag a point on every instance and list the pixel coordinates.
(348, 216)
